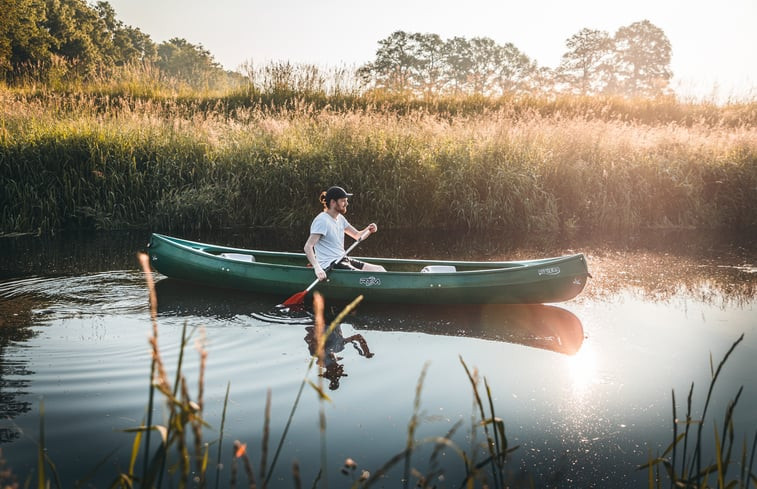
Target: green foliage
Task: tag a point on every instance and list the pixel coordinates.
(66, 43)
(23, 37)
(188, 62)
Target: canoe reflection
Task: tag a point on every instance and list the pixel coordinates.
(534, 325)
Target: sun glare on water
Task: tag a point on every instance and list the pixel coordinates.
(582, 369)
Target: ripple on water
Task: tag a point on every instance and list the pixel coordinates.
(104, 293)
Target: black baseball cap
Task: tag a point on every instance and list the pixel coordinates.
(336, 193)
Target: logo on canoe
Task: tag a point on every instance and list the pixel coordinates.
(370, 281)
(549, 271)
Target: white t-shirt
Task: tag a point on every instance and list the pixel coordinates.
(331, 245)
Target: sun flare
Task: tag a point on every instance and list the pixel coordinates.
(582, 368)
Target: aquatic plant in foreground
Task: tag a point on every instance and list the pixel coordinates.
(683, 465)
(185, 417)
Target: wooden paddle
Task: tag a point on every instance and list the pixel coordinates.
(297, 298)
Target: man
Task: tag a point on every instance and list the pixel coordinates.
(325, 246)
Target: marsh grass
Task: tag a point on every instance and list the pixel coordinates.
(682, 462)
(260, 155)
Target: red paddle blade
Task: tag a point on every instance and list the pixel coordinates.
(295, 299)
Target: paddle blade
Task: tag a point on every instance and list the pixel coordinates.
(296, 299)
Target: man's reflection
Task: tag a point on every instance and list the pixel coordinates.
(335, 342)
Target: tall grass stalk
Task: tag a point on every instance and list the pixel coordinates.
(184, 413)
(92, 160)
(220, 434)
(43, 459)
(688, 470)
(698, 446)
(496, 441)
(145, 265)
(412, 425)
(41, 478)
(320, 353)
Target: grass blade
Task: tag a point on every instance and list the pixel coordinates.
(220, 433)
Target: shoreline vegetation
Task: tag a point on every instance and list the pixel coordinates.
(136, 152)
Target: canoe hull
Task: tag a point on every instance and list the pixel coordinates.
(527, 282)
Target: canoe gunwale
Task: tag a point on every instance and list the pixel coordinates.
(214, 251)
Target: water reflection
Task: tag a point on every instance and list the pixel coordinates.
(177, 298)
(335, 342)
(16, 315)
(534, 325)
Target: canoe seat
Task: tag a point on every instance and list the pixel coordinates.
(238, 257)
(439, 269)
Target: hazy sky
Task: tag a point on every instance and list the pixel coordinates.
(714, 42)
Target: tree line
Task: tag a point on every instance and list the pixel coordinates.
(635, 61)
(52, 39)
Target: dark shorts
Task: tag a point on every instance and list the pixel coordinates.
(348, 263)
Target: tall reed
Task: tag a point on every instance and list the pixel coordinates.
(683, 466)
(105, 161)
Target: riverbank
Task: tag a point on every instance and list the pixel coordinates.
(114, 161)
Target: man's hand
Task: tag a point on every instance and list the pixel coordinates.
(320, 273)
(372, 228)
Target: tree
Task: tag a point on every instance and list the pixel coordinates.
(122, 43)
(485, 58)
(516, 72)
(188, 62)
(23, 38)
(80, 36)
(394, 62)
(78, 39)
(642, 59)
(134, 45)
(424, 63)
(585, 67)
(458, 60)
(427, 62)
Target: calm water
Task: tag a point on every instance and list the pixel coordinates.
(584, 387)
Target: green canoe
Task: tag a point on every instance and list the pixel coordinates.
(405, 281)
